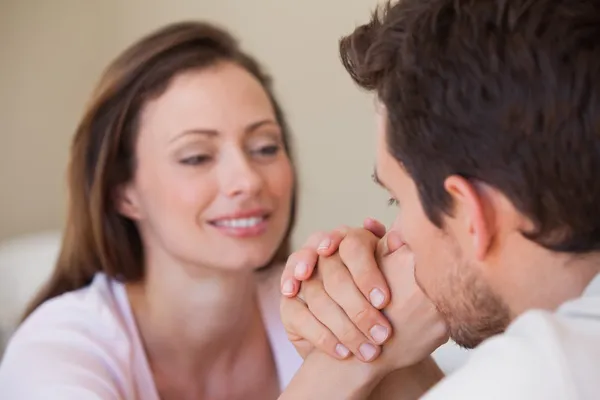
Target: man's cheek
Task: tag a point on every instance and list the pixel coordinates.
(397, 223)
(424, 270)
(419, 276)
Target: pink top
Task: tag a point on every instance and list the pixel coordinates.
(85, 344)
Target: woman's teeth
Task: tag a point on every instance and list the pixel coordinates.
(240, 222)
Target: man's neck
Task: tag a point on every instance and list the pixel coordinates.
(545, 279)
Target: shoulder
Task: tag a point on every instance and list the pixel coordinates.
(532, 359)
(75, 345)
(545, 355)
(526, 362)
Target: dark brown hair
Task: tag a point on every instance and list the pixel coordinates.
(97, 237)
(501, 92)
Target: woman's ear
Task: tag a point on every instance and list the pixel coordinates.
(126, 201)
(472, 208)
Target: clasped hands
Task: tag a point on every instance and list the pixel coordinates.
(351, 294)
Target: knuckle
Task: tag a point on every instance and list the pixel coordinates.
(328, 263)
(351, 336)
(313, 293)
(355, 241)
(335, 279)
(363, 318)
(350, 242)
(325, 340)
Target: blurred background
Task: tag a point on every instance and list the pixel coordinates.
(53, 52)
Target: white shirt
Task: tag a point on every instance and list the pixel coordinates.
(542, 355)
(84, 345)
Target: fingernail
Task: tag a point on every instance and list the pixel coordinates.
(342, 350)
(300, 270)
(377, 298)
(379, 333)
(288, 287)
(367, 351)
(324, 245)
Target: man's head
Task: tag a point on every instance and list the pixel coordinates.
(490, 143)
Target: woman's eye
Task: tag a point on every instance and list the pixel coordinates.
(270, 150)
(392, 202)
(196, 160)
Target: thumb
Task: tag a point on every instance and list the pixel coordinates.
(391, 242)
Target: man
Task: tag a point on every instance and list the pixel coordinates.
(489, 143)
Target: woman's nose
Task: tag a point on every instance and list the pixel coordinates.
(241, 178)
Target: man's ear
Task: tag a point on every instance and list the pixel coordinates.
(126, 201)
(473, 209)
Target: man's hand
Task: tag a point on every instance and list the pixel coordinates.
(419, 328)
(337, 309)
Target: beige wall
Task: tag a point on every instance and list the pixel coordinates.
(55, 50)
(51, 53)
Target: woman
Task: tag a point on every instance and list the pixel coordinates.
(181, 188)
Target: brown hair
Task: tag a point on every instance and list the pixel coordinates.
(501, 92)
(97, 237)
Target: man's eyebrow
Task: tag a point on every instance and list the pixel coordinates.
(376, 179)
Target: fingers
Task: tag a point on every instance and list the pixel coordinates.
(330, 243)
(335, 319)
(358, 252)
(299, 266)
(340, 287)
(301, 325)
(375, 227)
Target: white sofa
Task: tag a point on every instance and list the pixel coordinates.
(27, 261)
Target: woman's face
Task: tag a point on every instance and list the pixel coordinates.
(213, 183)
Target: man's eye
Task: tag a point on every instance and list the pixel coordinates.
(196, 160)
(392, 202)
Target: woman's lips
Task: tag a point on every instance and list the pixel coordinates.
(242, 226)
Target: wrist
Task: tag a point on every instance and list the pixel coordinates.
(366, 375)
(322, 376)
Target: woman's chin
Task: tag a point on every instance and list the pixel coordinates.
(249, 263)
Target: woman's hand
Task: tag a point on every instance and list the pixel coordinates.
(337, 309)
(334, 317)
(301, 264)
